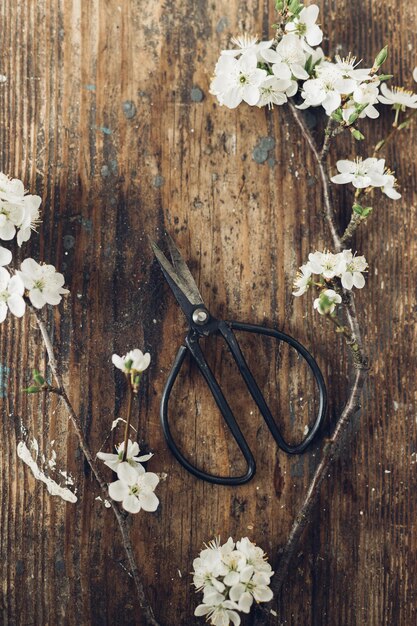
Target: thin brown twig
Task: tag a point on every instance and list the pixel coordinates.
(148, 613)
(353, 339)
(323, 174)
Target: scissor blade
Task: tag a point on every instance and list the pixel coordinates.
(180, 290)
(183, 271)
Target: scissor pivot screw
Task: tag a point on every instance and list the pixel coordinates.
(200, 316)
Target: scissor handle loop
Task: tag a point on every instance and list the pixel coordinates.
(194, 349)
(226, 329)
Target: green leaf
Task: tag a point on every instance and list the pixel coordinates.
(381, 57)
(309, 64)
(367, 211)
(39, 379)
(357, 209)
(279, 5)
(32, 389)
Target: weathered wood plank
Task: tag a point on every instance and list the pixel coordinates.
(106, 113)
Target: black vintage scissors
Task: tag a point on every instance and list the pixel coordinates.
(202, 324)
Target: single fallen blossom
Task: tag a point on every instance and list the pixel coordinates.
(43, 282)
(133, 361)
(130, 468)
(11, 295)
(136, 494)
(327, 301)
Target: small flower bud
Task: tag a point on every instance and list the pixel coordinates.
(357, 134)
(381, 57)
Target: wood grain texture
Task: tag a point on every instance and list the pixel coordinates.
(106, 114)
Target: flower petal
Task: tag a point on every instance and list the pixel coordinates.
(127, 473)
(131, 504)
(16, 305)
(5, 256)
(118, 490)
(149, 502)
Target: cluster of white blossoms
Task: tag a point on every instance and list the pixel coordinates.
(231, 576)
(345, 266)
(42, 284)
(267, 73)
(363, 173)
(134, 486)
(264, 73)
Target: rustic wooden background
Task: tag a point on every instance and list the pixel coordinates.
(106, 114)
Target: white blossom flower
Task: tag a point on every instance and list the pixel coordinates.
(366, 93)
(219, 614)
(415, 74)
(18, 210)
(361, 173)
(352, 275)
(398, 97)
(370, 111)
(247, 43)
(136, 494)
(255, 556)
(134, 360)
(237, 80)
(288, 59)
(5, 256)
(370, 172)
(327, 88)
(44, 283)
(325, 263)
(348, 67)
(251, 585)
(305, 25)
(326, 302)
(302, 281)
(11, 295)
(273, 91)
(126, 470)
